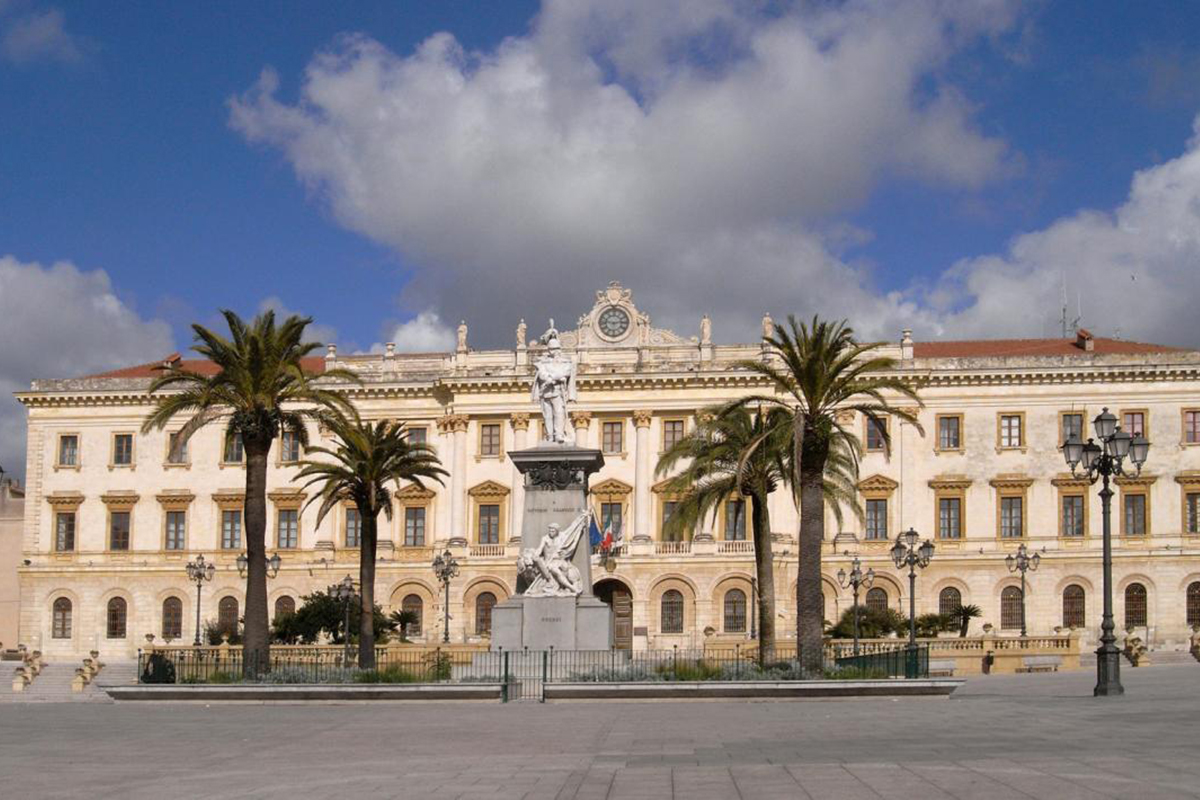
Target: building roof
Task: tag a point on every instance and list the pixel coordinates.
(312, 364)
(995, 348)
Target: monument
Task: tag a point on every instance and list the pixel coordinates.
(554, 605)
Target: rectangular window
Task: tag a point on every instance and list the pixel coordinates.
(1135, 515)
(668, 509)
(1072, 515)
(231, 529)
(1192, 512)
(875, 434)
(64, 531)
(68, 450)
(1012, 522)
(1072, 425)
(289, 447)
(489, 440)
(735, 520)
(176, 530)
(118, 530)
(414, 527)
(173, 456)
(950, 517)
(353, 528)
(489, 524)
(1191, 427)
(233, 448)
(672, 433)
(949, 433)
(287, 530)
(613, 437)
(877, 519)
(1010, 430)
(122, 449)
(610, 515)
(418, 435)
(1134, 422)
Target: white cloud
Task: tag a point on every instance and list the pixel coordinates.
(704, 154)
(424, 333)
(61, 322)
(40, 36)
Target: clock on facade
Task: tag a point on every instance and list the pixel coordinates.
(614, 322)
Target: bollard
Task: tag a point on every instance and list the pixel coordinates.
(504, 686)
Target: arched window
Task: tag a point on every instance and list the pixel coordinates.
(483, 613)
(116, 613)
(672, 611)
(172, 618)
(735, 611)
(1193, 604)
(877, 599)
(284, 604)
(949, 600)
(62, 619)
(1074, 606)
(1135, 605)
(1010, 608)
(414, 605)
(227, 615)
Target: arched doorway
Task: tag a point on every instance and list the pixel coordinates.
(618, 597)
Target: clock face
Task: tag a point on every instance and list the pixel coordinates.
(614, 322)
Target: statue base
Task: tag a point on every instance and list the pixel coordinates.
(564, 623)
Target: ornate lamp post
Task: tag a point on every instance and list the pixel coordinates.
(343, 591)
(1022, 562)
(272, 565)
(1106, 460)
(445, 568)
(199, 571)
(907, 553)
(857, 578)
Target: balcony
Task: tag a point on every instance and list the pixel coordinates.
(672, 548)
(487, 550)
(735, 547)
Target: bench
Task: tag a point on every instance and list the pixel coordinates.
(1040, 663)
(941, 667)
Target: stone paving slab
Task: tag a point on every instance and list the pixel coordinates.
(998, 738)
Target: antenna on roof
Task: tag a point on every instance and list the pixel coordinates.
(1069, 328)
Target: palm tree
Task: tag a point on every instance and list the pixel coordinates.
(260, 388)
(818, 372)
(367, 457)
(734, 451)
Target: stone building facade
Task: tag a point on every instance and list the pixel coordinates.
(12, 519)
(109, 521)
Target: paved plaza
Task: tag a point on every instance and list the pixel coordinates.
(998, 737)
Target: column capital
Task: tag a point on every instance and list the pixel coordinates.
(452, 423)
(641, 418)
(581, 419)
(519, 421)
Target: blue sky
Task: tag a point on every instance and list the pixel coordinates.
(393, 167)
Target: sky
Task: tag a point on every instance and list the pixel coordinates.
(391, 168)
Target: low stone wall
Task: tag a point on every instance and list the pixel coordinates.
(763, 690)
(267, 693)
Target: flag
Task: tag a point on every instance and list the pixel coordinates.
(594, 533)
(607, 542)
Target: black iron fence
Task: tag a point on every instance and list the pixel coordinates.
(902, 662)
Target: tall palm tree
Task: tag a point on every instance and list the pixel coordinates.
(817, 372)
(259, 389)
(367, 457)
(736, 450)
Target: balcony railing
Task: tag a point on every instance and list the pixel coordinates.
(735, 547)
(672, 548)
(487, 550)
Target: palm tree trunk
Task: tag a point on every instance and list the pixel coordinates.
(809, 620)
(366, 581)
(256, 647)
(764, 565)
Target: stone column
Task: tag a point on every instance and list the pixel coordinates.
(456, 424)
(520, 429)
(642, 471)
(582, 421)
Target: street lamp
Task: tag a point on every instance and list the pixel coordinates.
(272, 564)
(906, 553)
(445, 568)
(1106, 460)
(343, 591)
(1022, 562)
(199, 571)
(857, 578)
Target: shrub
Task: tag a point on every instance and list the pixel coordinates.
(392, 674)
(872, 623)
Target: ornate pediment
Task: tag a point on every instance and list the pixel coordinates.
(615, 321)
(1189, 478)
(611, 486)
(414, 492)
(948, 482)
(1011, 480)
(664, 487)
(1135, 480)
(877, 483)
(489, 489)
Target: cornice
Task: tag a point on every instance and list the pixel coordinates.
(1013, 481)
(1135, 480)
(946, 482)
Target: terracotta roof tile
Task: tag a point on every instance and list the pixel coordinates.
(992, 348)
(312, 364)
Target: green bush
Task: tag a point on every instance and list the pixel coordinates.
(854, 674)
(392, 674)
(438, 666)
(689, 670)
(872, 623)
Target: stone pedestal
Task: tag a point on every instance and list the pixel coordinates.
(556, 484)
